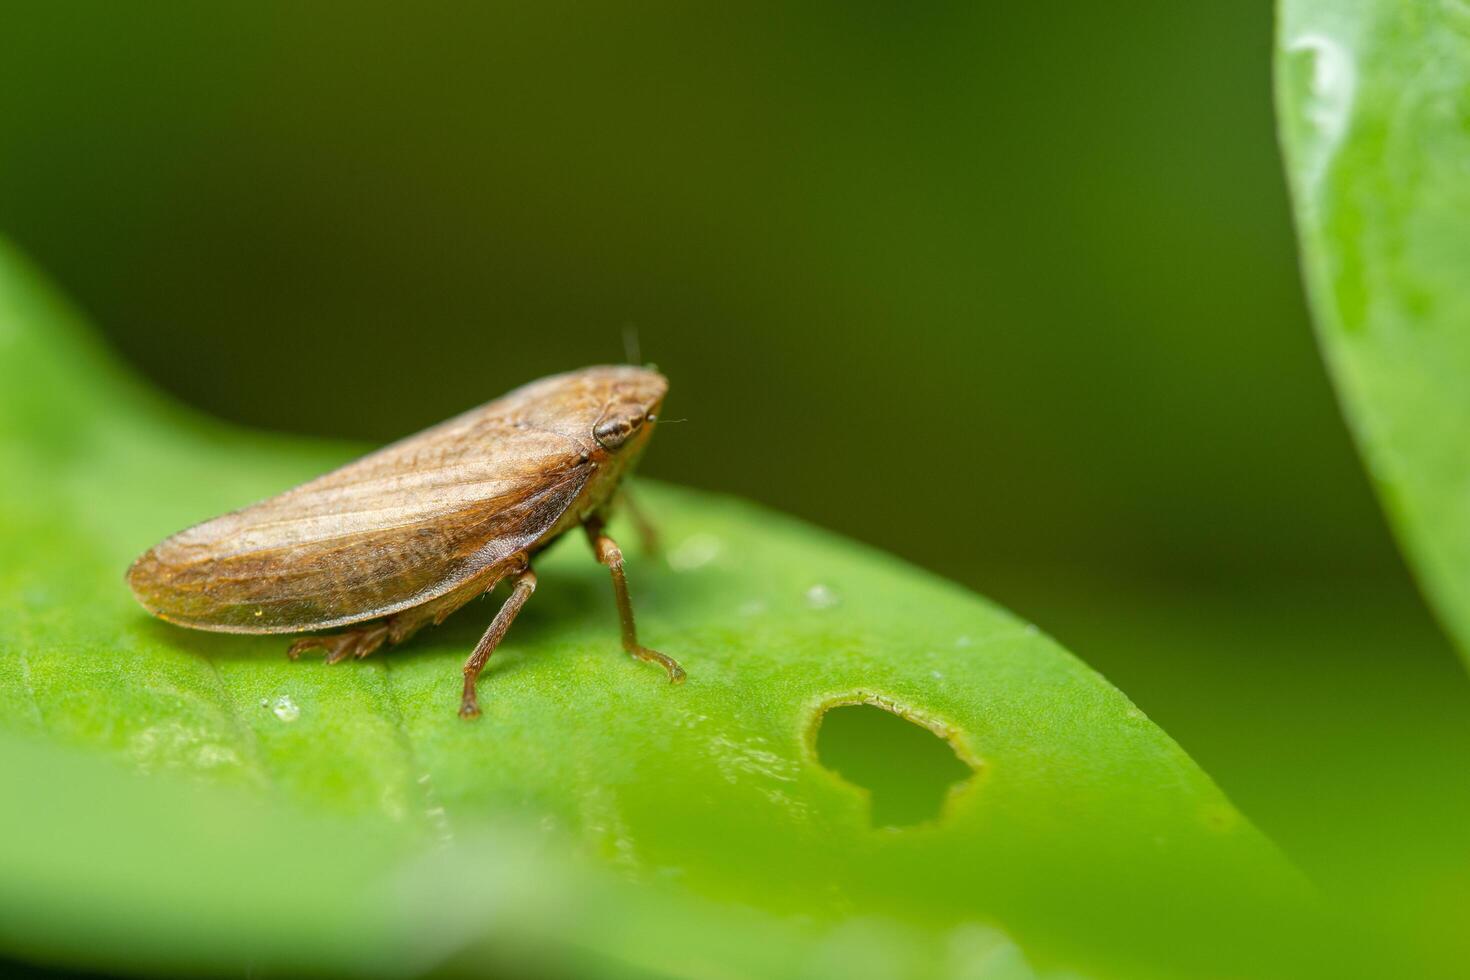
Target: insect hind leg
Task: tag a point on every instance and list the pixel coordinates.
(359, 643)
(365, 640)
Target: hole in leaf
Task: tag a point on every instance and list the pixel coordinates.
(907, 770)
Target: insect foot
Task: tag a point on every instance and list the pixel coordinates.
(339, 646)
(676, 673)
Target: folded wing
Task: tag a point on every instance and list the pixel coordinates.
(393, 530)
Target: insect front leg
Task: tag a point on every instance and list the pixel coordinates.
(611, 555)
(524, 585)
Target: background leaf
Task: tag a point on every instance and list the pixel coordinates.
(1373, 99)
(709, 807)
(1374, 103)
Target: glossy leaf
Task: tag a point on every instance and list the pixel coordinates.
(286, 812)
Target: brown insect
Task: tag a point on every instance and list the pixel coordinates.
(406, 535)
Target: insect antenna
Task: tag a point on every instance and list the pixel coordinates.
(631, 349)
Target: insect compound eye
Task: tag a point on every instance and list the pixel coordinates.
(612, 433)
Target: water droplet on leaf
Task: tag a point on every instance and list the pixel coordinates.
(695, 552)
(821, 597)
(286, 709)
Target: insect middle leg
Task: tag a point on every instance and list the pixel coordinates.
(524, 585)
(611, 555)
(364, 640)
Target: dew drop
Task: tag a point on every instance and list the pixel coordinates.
(695, 552)
(821, 597)
(285, 709)
(752, 607)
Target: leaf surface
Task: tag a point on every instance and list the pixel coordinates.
(1374, 108)
(300, 816)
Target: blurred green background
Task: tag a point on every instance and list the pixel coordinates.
(1007, 289)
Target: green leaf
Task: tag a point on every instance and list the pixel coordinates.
(197, 802)
(1374, 108)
